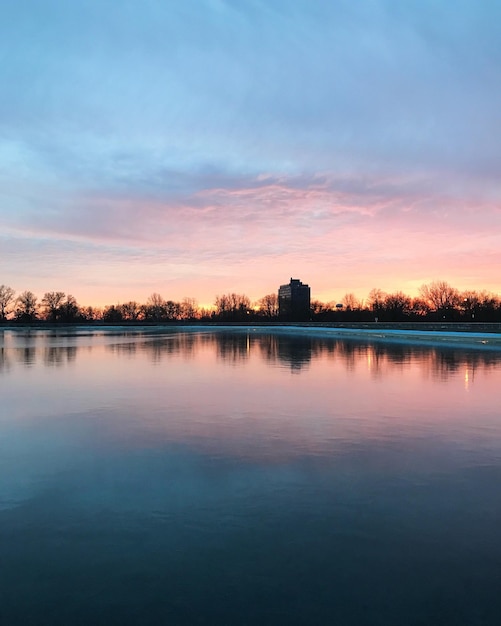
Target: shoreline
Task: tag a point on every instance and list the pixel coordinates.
(461, 326)
(455, 335)
(430, 338)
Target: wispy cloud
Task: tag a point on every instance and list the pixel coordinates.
(361, 139)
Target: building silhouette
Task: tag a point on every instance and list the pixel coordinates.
(294, 301)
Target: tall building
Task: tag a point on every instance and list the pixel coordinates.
(294, 301)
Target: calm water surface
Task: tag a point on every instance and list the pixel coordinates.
(218, 477)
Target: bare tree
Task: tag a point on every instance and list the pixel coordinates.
(112, 313)
(439, 295)
(91, 313)
(375, 299)
(155, 307)
(469, 300)
(419, 306)
(351, 302)
(232, 306)
(205, 313)
(489, 301)
(472, 302)
(239, 302)
(69, 310)
(268, 305)
(222, 305)
(172, 310)
(26, 306)
(397, 302)
(131, 310)
(320, 309)
(189, 309)
(6, 299)
(51, 302)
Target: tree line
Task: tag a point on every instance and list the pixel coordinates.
(436, 301)
(58, 306)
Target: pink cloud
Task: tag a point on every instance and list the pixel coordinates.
(337, 234)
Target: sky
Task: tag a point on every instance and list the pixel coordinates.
(205, 147)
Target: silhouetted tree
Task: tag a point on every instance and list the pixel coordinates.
(440, 296)
(172, 310)
(154, 309)
(479, 304)
(469, 302)
(222, 305)
(112, 313)
(6, 300)
(323, 312)
(131, 310)
(317, 307)
(268, 305)
(232, 306)
(205, 313)
(90, 313)
(351, 302)
(488, 302)
(26, 306)
(69, 311)
(419, 307)
(375, 299)
(189, 309)
(51, 303)
(398, 304)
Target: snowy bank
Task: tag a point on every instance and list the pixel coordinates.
(478, 340)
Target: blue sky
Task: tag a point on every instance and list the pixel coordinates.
(197, 148)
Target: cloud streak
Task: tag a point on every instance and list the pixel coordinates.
(352, 144)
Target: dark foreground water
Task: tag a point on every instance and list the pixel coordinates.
(245, 478)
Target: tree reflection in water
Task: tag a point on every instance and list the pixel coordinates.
(236, 346)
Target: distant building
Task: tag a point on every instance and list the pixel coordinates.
(294, 301)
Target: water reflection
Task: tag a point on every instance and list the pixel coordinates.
(239, 346)
(218, 477)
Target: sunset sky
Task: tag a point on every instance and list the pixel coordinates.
(202, 147)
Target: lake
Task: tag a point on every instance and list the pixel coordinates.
(242, 476)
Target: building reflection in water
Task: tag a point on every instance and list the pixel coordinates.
(236, 347)
(145, 460)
